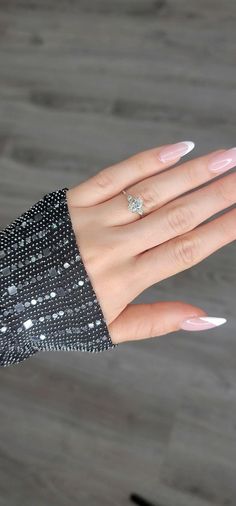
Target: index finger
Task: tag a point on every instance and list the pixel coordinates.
(111, 180)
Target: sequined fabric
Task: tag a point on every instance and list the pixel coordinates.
(47, 301)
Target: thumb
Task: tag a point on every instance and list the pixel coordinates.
(141, 321)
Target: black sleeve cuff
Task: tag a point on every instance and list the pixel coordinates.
(47, 299)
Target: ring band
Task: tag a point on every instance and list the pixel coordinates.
(135, 204)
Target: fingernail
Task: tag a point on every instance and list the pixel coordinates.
(202, 323)
(223, 161)
(175, 151)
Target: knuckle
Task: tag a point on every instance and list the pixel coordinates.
(140, 162)
(224, 190)
(153, 157)
(145, 160)
(180, 219)
(186, 251)
(150, 323)
(191, 173)
(150, 196)
(103, 179)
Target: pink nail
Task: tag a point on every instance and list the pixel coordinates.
(175, 151)
(202, 323)
(223, 161)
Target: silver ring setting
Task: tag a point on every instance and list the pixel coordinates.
(135, 204)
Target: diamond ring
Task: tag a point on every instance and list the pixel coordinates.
(135, 204)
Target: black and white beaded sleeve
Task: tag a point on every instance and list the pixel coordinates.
(47, 299)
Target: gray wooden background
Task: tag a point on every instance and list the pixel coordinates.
(84, 84)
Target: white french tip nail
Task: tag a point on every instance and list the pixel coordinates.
(213, 320)
(190, 146)
(174, 151)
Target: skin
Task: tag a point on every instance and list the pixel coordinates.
(125, 254)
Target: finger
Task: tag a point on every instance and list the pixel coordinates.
(184, 251)
(160, 189)
(111, 180)
(142, 321)
(181, 215)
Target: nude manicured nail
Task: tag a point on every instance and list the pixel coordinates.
(175, 151)
(223, 161)
(202, 323)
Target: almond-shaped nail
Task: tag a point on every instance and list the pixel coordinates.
(175, 151)
(202, 323)
(223, 162)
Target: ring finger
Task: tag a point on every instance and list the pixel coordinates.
(158, 190)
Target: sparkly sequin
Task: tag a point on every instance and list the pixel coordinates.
(47, 299)
(52, 272)
(6, 271)
(12, 290)
(19, 307)
(28, 324)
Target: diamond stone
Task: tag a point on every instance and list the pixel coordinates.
(135, 204)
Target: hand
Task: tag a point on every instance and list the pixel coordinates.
(125, 254)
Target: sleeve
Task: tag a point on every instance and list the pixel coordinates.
(47, 301)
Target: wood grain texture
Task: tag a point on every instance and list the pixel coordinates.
(84, 84)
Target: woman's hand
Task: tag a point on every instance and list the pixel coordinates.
(125, 254)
